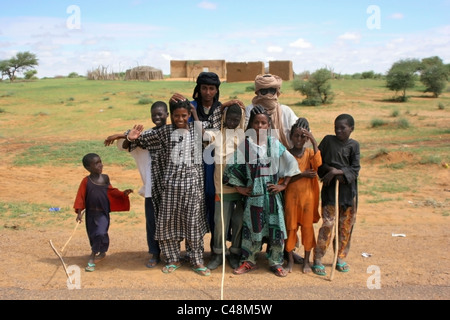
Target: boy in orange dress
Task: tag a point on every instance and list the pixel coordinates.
(302, 194)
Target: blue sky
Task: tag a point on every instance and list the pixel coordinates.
(347, 36)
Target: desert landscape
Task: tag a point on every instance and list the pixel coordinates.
(400, 246)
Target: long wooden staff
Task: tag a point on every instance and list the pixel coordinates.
(223, 224)
(336, 230)
(62, 261)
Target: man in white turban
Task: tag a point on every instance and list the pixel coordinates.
(267, 90)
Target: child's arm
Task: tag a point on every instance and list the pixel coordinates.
(277, 188)
(245, 191)
(331, 174)
(79, 215)
(177, 97)
(134, 133)
(80, 202)
(308, 173)
(231, 102)
(313, 140)
(110, 140)
(127, 192)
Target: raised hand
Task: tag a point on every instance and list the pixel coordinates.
(135, 132)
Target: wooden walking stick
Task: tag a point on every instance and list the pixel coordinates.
(223, 229)
(73, 232)
(336, 230)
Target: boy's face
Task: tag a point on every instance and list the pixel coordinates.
(180, 118)
(260, 122)
(159, 116)
(232, 121)
(208, 93)
(298, 138)
(342, 130)
(96, 166)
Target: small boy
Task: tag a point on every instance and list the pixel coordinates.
(97, 196)
(340, 161)
(233, 201)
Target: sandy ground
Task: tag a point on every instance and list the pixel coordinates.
(415, 266)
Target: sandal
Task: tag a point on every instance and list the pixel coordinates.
(279, 271)
(153, 262)
(245, 267)
(342, 267)
(170, 268)
(90, 267)
(203, 271)
(319, 270)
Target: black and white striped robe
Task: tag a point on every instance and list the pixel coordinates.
(182, 209)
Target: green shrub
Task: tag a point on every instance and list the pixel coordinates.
(377, 123)
(145, 101)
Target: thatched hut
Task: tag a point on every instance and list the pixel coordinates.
(144, 73)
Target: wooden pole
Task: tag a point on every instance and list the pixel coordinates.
(336, 230)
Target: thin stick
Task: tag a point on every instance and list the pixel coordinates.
(73, 232)
(336, 230)
(62, 261)
(223, 227)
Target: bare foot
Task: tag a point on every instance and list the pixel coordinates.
(290, 264)
(306, 268)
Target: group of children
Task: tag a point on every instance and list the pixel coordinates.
(264, 191)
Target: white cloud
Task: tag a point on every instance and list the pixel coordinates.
(396, 16)
(275, 49)
(352, 36)
(207, 5)
(166, 56)
(301, 43)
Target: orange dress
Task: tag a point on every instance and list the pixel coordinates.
(302, 203)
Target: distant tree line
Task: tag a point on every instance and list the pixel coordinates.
(316, 86)
(432, 72)
(402, 75)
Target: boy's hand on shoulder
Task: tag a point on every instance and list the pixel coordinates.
(231, 102)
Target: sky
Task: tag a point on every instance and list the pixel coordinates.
(345, 36)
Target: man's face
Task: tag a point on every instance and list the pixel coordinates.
(208, 93)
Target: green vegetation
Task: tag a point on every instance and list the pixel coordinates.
(54, 122)
(57, 154)
(317, 88)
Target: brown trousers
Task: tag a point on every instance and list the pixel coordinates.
(347, 220)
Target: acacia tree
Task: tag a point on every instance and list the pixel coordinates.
(434, 75)
(402, 76)
(22, 62)
(317, 88)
